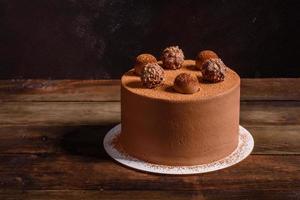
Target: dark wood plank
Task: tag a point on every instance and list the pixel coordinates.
(276, 139)
(96, 195)
(59, 113)
(270, 89)
(108, 90)
(86, 140)
(52, 172)
(95, 113)
(59, 90)
(51, 133)
(151, 195)
(270, 113)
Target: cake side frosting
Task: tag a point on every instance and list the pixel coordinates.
(165, 127)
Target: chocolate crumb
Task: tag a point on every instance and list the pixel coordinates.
(152, 75)
(213, 70)
(172, 58)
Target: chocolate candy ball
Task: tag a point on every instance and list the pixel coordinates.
(186, 83)
(204, 55)
(213, 70)
(152, 75)
(141, 61)
(172, 58)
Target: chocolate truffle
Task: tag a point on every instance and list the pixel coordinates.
(204, 55)
(152, 75)
(213, 70)
(172, 58)
(141, 61)
(186, 83)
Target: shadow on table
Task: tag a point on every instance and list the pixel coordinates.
(86, 141)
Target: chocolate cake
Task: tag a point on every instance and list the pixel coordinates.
(178, 124)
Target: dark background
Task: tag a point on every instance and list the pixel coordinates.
(100, 38)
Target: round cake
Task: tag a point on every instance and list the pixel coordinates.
(165, 127)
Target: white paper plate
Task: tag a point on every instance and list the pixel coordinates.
(244, 148)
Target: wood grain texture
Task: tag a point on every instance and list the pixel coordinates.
(85, 139)
(270, 113)
(59, 113)
(271, 89)
(51, 133)
(59, 90)
(54, 172)
(202, 194)
(93, 113)
(108, 90)
(276, 139)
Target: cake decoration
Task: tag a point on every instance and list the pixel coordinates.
(204, 55)
(141, 60)
(172, 57)
(152, 75)
(213, 70)
(165, 127)
(186, 83)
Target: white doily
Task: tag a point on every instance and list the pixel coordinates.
(244, 148)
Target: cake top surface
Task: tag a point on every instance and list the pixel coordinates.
(132, 82)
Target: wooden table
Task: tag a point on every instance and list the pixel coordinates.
(51, 135)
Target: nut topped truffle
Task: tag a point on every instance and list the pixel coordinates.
(172, 57)
(152, 75)
(204, 55)
(141, 60)
(186, 83)
(213, 70)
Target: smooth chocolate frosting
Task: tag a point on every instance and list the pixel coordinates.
(165, 127)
